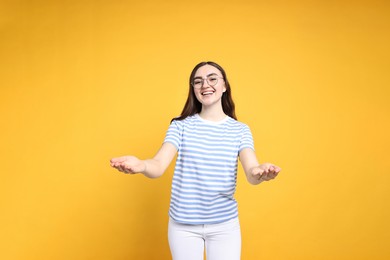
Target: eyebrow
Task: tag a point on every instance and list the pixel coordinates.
(211, 74)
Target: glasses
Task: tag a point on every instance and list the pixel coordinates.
(212, 80)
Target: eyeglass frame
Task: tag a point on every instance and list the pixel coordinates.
(206, 79)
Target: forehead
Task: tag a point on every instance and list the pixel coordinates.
(206, 70)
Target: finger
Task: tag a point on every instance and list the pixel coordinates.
(265, 178)
(272, 169)
(120, 168)
(115, 160)
(123, 168)
(273, 175)
(117, 165)
(263, 175)
(114, 165)
(118, 159)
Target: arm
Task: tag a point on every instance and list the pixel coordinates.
(151, 168)
(256, 173)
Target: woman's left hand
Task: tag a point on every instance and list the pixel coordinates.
(265, 172)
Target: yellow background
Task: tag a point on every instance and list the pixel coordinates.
(84, 81)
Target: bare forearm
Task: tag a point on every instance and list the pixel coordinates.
(153, 168)
(257, 173)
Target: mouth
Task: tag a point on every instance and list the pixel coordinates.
(207, 93)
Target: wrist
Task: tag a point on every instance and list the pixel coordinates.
(145, 166)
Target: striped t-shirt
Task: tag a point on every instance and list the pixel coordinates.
(205, 174)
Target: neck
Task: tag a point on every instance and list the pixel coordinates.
(212, 113)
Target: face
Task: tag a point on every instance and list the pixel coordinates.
(208, 85)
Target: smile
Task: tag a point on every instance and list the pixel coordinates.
(206, 93)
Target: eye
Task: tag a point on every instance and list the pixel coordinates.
(197, 82)
(213, 80)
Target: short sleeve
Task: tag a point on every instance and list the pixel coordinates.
(173, 134)
(246, 139)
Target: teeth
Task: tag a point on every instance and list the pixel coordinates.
(207, 93)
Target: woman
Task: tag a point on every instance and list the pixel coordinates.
(209, 140)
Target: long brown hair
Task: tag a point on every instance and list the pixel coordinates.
(193, 106)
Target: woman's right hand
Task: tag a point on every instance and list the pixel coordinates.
(128, 164)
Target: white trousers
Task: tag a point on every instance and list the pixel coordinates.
(222, 241)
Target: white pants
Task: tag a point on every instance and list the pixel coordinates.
(222, 241)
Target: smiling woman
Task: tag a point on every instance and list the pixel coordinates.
(208, 140)
(213, 73)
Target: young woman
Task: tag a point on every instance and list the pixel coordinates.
(209, 140)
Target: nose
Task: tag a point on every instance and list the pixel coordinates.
(204, 82)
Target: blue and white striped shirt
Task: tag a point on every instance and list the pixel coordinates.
(205, 174)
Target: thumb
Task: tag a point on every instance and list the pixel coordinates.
(257, 171)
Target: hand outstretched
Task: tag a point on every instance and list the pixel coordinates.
(128, 164)
(265, 172)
